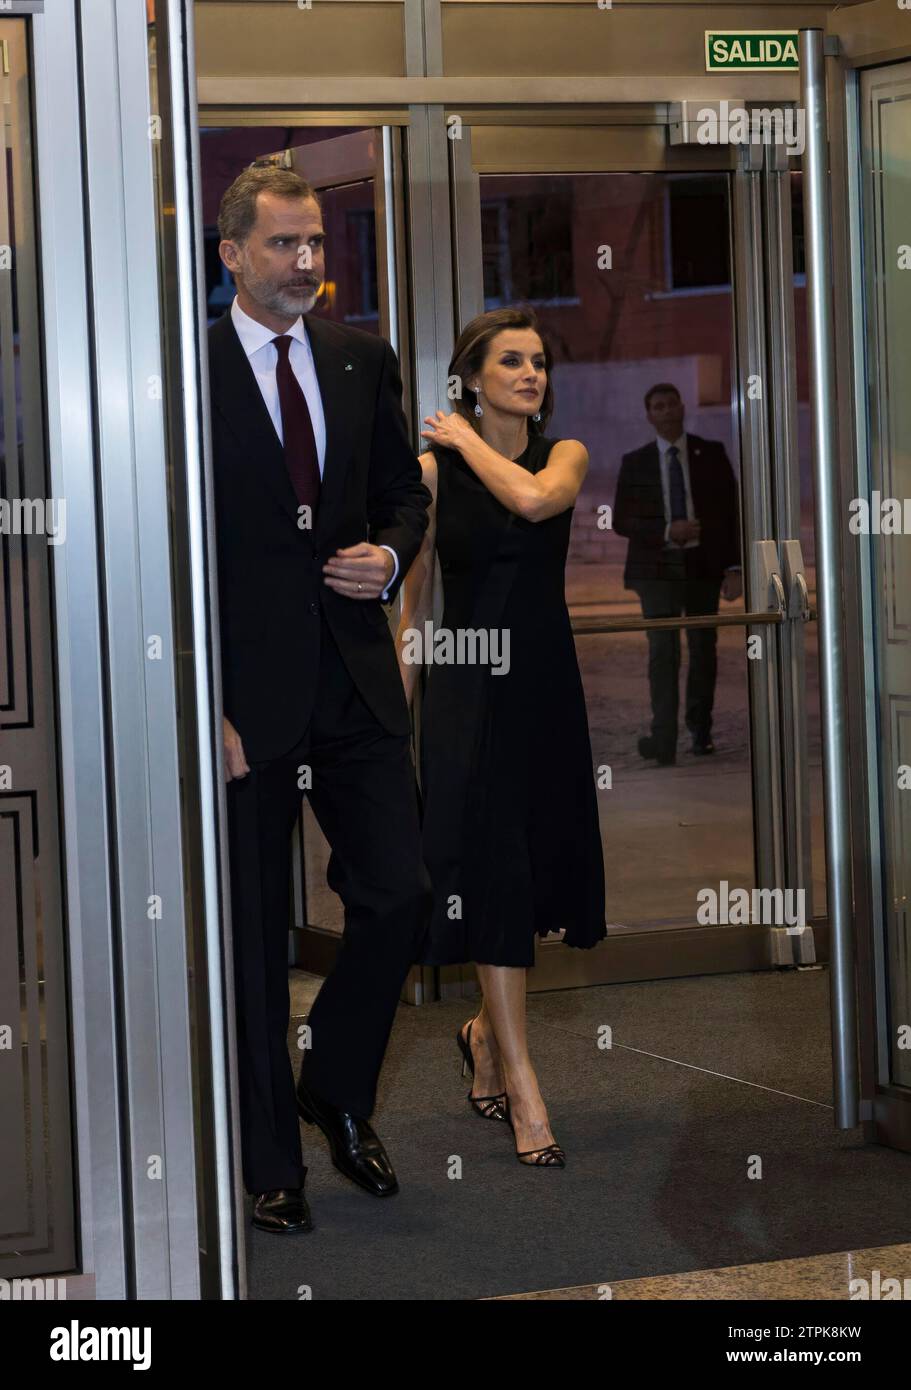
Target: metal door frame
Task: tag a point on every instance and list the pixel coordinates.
(146, 1228)
(862, 37)
(80, 658)
(132, 1068)
(760, 224)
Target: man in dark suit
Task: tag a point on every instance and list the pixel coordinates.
(320, 511)
(677, 503)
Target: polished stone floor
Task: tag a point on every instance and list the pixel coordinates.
(849, 1274)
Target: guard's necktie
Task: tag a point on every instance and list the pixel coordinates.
(301, 459)
(676, 485)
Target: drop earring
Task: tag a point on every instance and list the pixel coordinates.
(477, 404)
(537, 415)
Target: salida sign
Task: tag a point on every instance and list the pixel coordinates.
(751, 50)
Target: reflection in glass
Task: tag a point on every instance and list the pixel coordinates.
(887, 216)
(630, 276)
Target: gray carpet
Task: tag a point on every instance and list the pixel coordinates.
(658, 1150)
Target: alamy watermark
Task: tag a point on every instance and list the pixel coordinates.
(462, 646)
(40, 1289)
(762, 125)
(767, 907)
(34, 516)
(880, 516)
(876, 1287)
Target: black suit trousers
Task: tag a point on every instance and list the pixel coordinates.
(364, 796)
(672, 598)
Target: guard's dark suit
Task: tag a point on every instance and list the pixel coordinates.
(672, 582)
(310, 680)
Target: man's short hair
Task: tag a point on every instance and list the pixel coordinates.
(657, 390)
(237, 212)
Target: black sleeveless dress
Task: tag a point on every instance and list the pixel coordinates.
(510, 824)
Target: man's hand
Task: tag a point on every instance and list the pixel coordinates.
(732, 585)
(359, 571)
(680, 531)
(235, 759)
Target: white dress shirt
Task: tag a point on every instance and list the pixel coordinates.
(257, 342)
(663, 447)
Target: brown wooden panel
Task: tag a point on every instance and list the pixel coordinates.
(587, 149)
(556, 40)
(275, 38)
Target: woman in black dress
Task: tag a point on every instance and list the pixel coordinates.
(511, 835)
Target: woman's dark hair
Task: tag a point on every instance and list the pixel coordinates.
(472, 348)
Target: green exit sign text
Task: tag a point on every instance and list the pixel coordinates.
(751, 50)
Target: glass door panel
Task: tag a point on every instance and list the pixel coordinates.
(668, 832)
(645, 261)
(886, 141)
(630, 276)
(349, 166)
(343, 170)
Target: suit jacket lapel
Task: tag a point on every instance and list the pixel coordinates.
(338, 375)
(695, 459)
(240, 402)
(653, 466)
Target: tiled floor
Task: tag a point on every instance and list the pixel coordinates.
(884, 1273)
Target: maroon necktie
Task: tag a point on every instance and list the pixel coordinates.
(301, 458)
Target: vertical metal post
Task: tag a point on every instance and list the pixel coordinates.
(430, 281)
(80, 657)
(224, 1239)
(384, 201)
(755, 489)
(828, 579)
(778, 274)
(467, 263)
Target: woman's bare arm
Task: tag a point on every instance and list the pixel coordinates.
(417, 588)
(534, 496)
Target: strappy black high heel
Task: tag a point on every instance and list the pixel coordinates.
(550, 1157)
(488, 1107)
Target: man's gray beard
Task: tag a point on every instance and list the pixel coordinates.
(291, 302)
(287, 302)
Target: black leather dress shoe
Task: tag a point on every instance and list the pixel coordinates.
(702, 747)
(282, 1211)
(664, 757)
(356, 1150)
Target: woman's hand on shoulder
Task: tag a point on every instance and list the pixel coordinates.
(452, 431)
